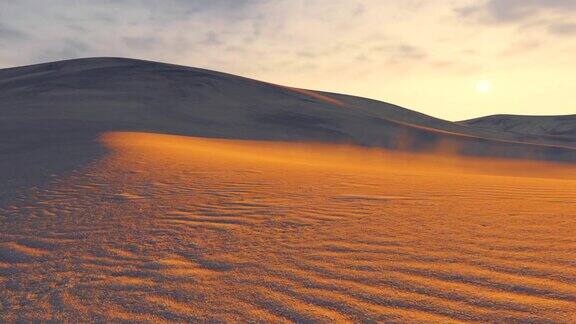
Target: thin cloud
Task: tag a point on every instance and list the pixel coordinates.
(11, 34)
(555, 16)
(563, 29)
(142, 43)
(514, 10)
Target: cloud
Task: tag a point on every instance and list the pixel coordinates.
(69, 48)
(142, 42)
(10, 34)
(563, 28)
(556, 16)
(411, 52)
(247, 37)
(521, 47)
(212, 39)
(515, 10)
(397, 53)
(189, 31)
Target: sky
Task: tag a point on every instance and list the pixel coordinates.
(453, 59)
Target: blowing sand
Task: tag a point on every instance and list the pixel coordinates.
(168, 228)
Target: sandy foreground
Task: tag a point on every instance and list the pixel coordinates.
(169, 228)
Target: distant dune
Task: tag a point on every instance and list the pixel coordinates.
(134, 191)
(561, 129)
(64, 100)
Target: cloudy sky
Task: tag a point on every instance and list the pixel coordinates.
(454, 59)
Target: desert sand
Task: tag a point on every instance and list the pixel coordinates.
(244, 201)
(178, 229)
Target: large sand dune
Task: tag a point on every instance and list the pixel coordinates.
(103, 94)
(133, 190)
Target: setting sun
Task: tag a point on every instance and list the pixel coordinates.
(483, 86)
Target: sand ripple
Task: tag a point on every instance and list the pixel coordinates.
(197, 236)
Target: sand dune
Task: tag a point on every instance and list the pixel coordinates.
(112, 94)
(557, 128)
(169, 228)
(140, 191)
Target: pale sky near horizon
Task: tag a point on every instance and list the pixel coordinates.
(453, 59)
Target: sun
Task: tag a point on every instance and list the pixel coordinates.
(483, 86)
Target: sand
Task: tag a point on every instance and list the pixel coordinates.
(141, 191)
(176, 228)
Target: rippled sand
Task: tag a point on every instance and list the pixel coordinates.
(167, 228)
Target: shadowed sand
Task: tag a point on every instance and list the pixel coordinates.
(168, 228)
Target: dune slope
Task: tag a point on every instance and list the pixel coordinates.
(113, 94)
(557, 128)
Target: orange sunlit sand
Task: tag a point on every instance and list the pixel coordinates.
(277, 161)
(179, 228)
